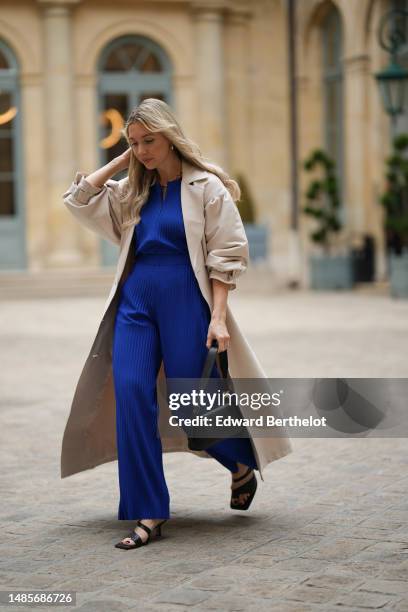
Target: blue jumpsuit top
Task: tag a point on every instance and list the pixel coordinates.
(161, 226)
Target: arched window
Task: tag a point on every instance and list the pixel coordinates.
(332, 50)
(131, 68)
(12, 230)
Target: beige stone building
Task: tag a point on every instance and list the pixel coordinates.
(71, 70)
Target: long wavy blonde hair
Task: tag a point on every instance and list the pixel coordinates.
(156, 116)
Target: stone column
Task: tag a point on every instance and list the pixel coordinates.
(208, 24)
(356, 88)
(185, 102)
(34, 160)
(63, 232)
(379, 139)
(238, 91)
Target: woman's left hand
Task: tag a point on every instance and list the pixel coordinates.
(217, 330)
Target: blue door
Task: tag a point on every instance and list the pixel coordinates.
(12, 222)
(131, 68)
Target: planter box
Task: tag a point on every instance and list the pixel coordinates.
(331, 272)
(258, 240)
(398, 265)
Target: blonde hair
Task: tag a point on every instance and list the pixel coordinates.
(156, 116)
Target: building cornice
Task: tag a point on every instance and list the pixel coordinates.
(59, 3)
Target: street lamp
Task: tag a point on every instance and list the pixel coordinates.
(393, 79)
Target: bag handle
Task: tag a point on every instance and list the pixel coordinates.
(210, 360)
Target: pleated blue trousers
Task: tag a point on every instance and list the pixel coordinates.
(161, 314)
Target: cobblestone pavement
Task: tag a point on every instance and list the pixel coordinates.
(328, 529)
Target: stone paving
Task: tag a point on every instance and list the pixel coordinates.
(328, 529)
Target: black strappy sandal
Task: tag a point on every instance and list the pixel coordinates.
(153, 531)
(241, 497)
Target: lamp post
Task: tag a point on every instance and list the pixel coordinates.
(393, 79)
(294, 251)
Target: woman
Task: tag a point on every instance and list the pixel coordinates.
(162, 317)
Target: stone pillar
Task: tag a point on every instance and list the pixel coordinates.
(208, 24)
(63, 231)
(35, 168)
(185, 103)
(379, 139)
(356, 88)
(238, 91)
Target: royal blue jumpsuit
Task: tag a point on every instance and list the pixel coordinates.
(161, 314)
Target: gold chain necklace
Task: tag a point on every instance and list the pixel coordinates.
(164, 187)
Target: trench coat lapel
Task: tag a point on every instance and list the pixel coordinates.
(192, 206)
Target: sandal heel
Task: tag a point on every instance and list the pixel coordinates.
(159, 528)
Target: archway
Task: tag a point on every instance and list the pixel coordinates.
(130, 69)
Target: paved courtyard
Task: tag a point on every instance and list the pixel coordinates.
(328, 529)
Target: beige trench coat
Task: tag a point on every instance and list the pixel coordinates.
(218, 248)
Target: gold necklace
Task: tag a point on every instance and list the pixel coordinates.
(164, 187)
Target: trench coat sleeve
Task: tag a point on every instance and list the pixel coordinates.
(97, 208)
(227, 245)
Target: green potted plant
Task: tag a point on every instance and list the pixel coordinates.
(257, 234)
(328, 269)
(395, 203)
